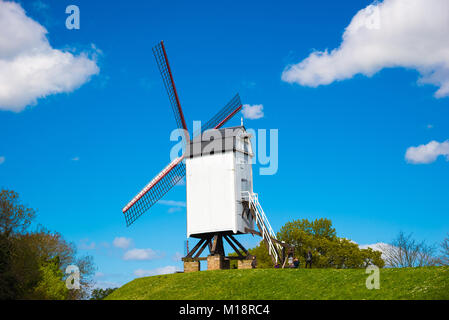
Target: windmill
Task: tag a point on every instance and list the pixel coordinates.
(220, 199)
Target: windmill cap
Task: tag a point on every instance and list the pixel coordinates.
(218, 141)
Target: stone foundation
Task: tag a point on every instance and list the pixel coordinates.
(217, 262)
(191, 266)
(244, 264)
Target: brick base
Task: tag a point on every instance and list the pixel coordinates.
(191, 266)
(217, 262)
(244, 264)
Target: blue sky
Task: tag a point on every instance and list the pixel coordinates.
(80, 155)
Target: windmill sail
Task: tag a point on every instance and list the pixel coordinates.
(228, 111)
(167, 77)
(154, 190)
(175, 171)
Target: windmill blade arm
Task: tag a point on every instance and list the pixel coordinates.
(164, 67)
(154, 190)
(226, 113)
(229, 116)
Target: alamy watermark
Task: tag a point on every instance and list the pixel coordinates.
(265, 151)
(73, 280)
(373, 280)
(73, 20)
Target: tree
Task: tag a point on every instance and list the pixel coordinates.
(48, 246)
(406, 252)
(51, 285)
(24, 267)
(444, 258)
(15, 218)
(33, 263)
(261, 253)
(328, 250)
(8, 283)
(262, 256)
(320, 237)
(17, 264)
(100, 294)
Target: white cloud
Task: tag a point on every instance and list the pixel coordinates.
(106, 284)
(427, 153)
(84, 244)
(108, 280)
(249, 84)
(174, 209)
(2, 159)
(122, 242)
(252, 111)
(172, 203)
(104, 244)
(140, 254)
(29, 67)
(39, 5)
(380, 246)
(76, 159)
(177, 257)
(154, 272)
(175, 206)
(375, 246)
(394, 33)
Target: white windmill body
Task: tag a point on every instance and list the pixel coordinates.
(218, 173)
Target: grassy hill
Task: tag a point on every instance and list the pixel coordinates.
(266, 284)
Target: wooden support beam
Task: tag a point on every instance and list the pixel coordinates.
(253, 232)
(235, 258)
(234, 247)
(210, 246)
(185, 259)
(191, 253)
(285, 257)
(238, 243)
(206, 242)
(220, 248)
(214, 245)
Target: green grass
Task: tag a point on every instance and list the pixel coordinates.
(298, 284)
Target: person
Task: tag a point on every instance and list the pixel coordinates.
(277, 266)
(290, 262)
(309, 259)
(296, 263)
(254, 263)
